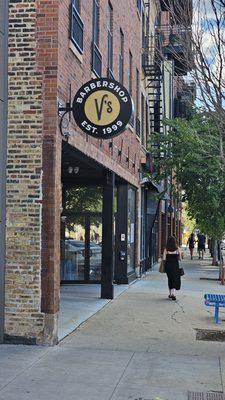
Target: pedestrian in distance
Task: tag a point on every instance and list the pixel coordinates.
(191, 244)
(201, 245)
(172, 256)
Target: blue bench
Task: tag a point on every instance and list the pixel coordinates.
(217, 301)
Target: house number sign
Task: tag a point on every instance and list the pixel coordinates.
(102, 108)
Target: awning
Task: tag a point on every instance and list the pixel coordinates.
(155, 186)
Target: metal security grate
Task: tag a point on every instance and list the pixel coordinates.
(206, 396)
(195, 396)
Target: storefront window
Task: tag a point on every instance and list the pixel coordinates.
(83, 198)
(131, 230)
(143, 224)
(81, 241)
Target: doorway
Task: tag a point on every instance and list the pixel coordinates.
(81, 234)
(81, 248)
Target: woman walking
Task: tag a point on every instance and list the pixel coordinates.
(172, 256)
(191, 244)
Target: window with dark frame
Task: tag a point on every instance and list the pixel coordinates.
(139, 6)
(77, 5)
(147, 121)
(77, 26)
(121, 57)
(138, 123)
(110, 41)
(96, 55)
(96, 21)
(143, 29)
(130, 73)
(130, 81)
(143, 133)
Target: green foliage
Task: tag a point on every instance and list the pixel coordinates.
(191, 149)
(83, 199)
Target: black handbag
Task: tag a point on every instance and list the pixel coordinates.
(181, 271)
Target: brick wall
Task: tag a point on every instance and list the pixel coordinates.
(23, 237)
(47, 61)
(75, 70)
(41, 69)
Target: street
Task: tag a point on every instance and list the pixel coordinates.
(140, 346)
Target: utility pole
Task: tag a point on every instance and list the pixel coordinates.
(3, 150)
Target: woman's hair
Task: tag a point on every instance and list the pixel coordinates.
(171, 244)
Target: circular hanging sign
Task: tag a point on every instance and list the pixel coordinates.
(102, 108)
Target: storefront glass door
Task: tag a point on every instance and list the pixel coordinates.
(73, 249)
(81, 248)
(95, 260)
(81, 234)
(131, 230)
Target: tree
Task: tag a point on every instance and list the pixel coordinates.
(188, 222)
(191, 151)
(198, 26)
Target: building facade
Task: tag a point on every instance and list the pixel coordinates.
(80, 209)
(171, 95)
(73, 201)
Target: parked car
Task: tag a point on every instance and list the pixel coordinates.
(73, 260)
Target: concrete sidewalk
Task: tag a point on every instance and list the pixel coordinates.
(140, 346)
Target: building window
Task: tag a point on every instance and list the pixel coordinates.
(143, 133)
(131, 230)
(96, 55)
(139, 6)
(147, 121)
(121, 57)
(130, 73)
(77, 26)
(143, 223)
(143, 33)
(77, 5)
(138, 124)
(110, 41)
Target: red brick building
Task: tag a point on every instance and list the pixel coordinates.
(73, 206)
(79, 209)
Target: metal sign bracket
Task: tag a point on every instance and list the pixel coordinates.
(62, 111)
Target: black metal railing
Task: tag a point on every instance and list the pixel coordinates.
(174, 35)
(96, 60)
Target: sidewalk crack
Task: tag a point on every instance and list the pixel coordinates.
(221, 374)
(177, 312)
(122, 375)
(173, 317)
(25, 369)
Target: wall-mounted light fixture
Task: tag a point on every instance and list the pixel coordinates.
(72, 170)
(76, 170)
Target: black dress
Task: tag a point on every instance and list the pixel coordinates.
(191, 243)
(173, 271)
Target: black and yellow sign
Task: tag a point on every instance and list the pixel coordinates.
(102, 108)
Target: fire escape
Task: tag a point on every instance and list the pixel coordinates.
(152, 66)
